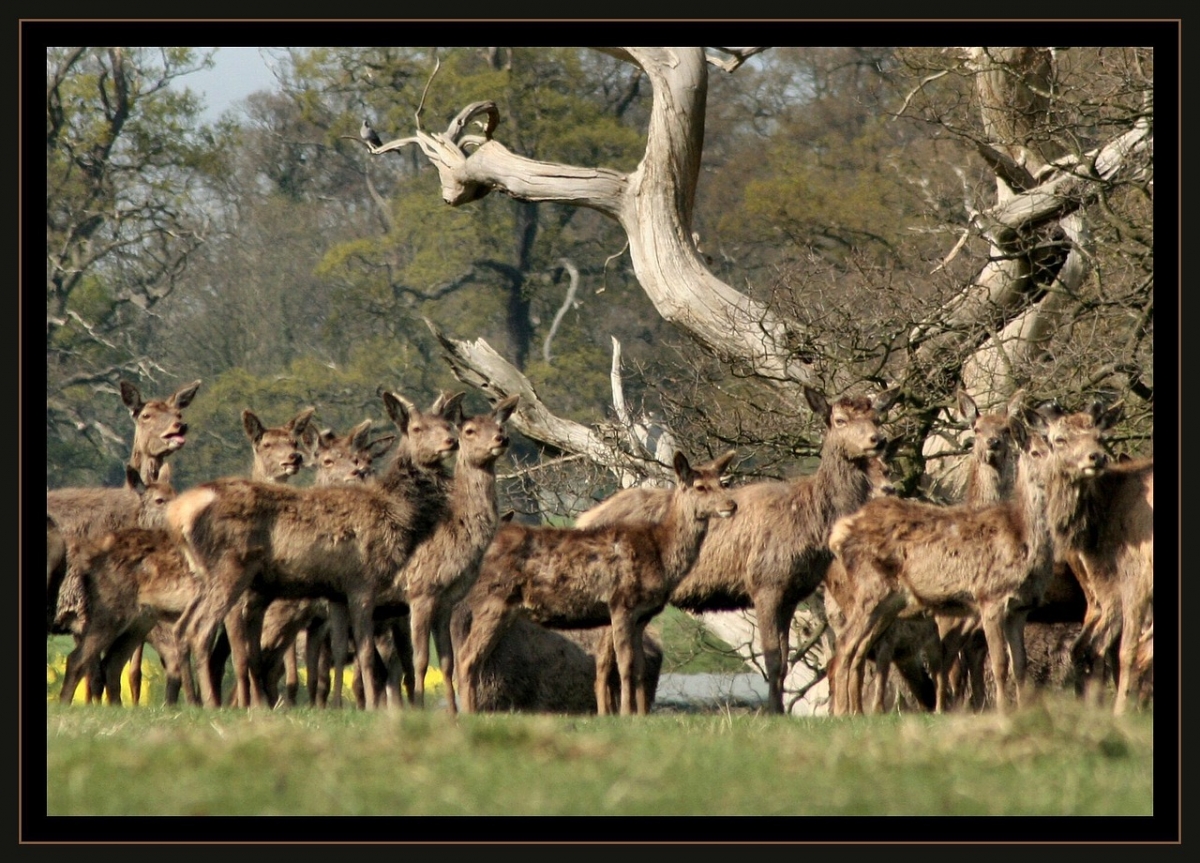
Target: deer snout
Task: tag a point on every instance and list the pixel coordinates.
(1096, 461)
(727, 509)
(500, 444)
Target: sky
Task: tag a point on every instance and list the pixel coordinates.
(238, 72)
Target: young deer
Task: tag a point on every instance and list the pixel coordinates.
(576, 578)
(991, 562)
(343, 460)
(1108, 542)
(443, 568)
(102, 566)
(909, 645)
(345, 542)
(991, 473)
(776, 553)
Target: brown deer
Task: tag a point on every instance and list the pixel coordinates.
(98, 625)
(538, 670)
(991, 473)
(336, 460)
(442, 569)
(1108, 542)
(909, 645)
(572, 578)
(776, 553)
(159, 432)
(992, 562)
(343, 542)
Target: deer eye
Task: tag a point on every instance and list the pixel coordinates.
(839, 422)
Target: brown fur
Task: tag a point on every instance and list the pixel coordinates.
(571, 578)
(990, 562)
(56, 567)
(775, 554)
(342, 542)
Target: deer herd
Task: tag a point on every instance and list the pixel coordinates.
(364, 567)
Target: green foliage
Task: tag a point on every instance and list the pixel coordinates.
(1057, 758)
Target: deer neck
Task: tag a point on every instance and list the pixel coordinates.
(148, 466)
(841, 484)
(474, 503)
(678, 537)
(986, 485)
(1031, 500)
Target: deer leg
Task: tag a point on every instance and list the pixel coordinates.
(774, 620)
(606, 660)
(315, 635)
(441, 635)
(339, 643)
(993, 631)
(404, 654)
(487, 625)
(1014, 633)
(1132, 625)
(884, 651)
(421, 610)
(291, 672)
(362, 625)
(623, 635)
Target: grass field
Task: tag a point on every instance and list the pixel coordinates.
(1052, 760)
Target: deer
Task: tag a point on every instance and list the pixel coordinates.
(156, 583)
(775, 555)
(336, 460)
(991, 473)
(91, 512)
(1108, 542)
(110, 605)
(538, 670)
(56, 566)
(442, 569)
(343, 542)
(619, 575)
(909, 645)
(993, 562)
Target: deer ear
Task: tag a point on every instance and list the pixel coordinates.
(967, 408)
(505, 409)
(164, 474)
(132, 397)
(253, 425)
(133, 479)
(183, 397)
(1105, 419)
(683, 469)
(817, 402)
(358, 434)
(1015, 403)
(882, 402)
(445, 405)
(721, 462)
(398, 409)
(299, 423)
(379, 447)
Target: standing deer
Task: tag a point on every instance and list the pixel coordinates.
(776, 553)
(909, 645)
(1108, 541)
(159, 432)
(992, 562)
(343, 542)
(991, 473)
(109, 604)
(442, 569)
(572, 578)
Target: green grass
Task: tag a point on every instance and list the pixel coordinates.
(1055, 758)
